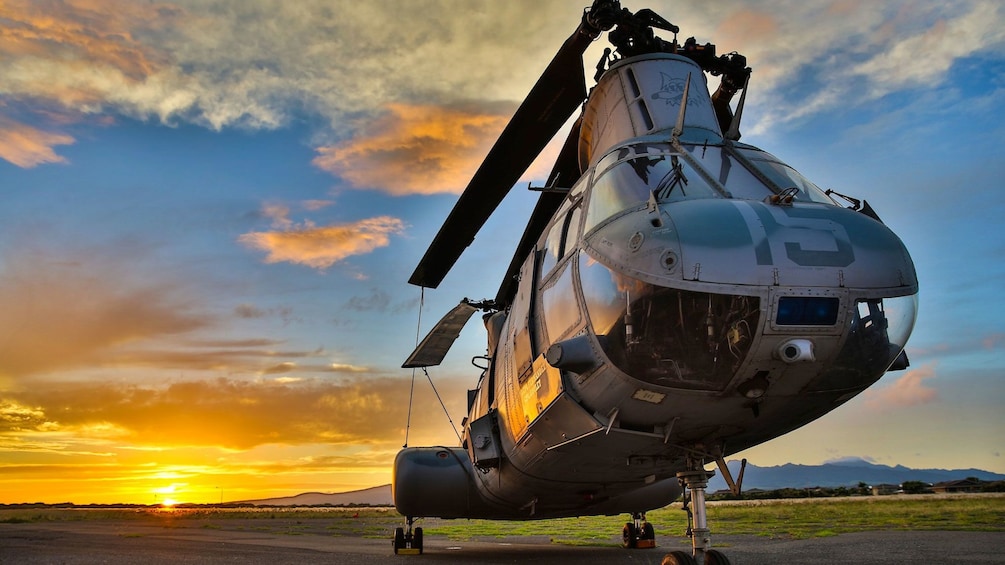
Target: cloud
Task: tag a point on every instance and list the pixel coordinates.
(314, 205)
(191, 61)
(252, 312)
(279, 214)
(377, 300)
(993, 341)
(321, 247)
(84, 31)
(908, 390)
(960, 345)
(867, 50)
(77, 308)
(96, 309)
(346, 368)
(243, 414)
(26, 146)
(284, 367)
(248, 311)
(951, 37)
(416, 149)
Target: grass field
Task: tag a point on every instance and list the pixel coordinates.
(774, 518)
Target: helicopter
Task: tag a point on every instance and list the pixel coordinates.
(676, 297)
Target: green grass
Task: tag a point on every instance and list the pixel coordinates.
(834, 517)
(775, 518)
(805, 518)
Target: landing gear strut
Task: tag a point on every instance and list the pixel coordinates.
(406, 541)
(638, 534)
(695, 480)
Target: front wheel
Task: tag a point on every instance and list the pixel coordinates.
(713, 557)
(678, 558)
(628, 536)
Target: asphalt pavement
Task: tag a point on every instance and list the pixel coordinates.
(128, 542)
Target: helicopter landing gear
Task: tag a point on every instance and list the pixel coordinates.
(638, 534)
(695, 480)
(406, 541)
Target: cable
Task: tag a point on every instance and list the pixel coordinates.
(411, 390)
(444, 406)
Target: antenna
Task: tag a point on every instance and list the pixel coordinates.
(679, 128)
(733, 133)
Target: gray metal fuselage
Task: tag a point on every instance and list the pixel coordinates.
(692, 297)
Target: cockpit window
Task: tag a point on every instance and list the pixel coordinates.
(729, 172)
(878, 330)
(631, 183)
(784, 176)
(665, 336)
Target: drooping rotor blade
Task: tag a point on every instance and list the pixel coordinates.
(555, 96)
(565, 172)
(437, 343)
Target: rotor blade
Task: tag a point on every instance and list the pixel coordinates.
(557, 94)
(566, 171)
(438, 341)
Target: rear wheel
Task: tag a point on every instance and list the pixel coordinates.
(399, 539)
(417, 540)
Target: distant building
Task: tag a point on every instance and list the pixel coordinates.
(963, 485)
(883, 490)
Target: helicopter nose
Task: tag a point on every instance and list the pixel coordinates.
(749, 242)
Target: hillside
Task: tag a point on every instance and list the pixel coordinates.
(845, 472)
(375, 496)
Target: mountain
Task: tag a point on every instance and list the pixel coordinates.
(374, 496)
(844, 472)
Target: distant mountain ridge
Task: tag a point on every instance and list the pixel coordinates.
(845, 472)
(374, 496)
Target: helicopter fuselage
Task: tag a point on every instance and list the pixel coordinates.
(692, 297)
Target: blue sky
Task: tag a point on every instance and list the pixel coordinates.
(210, 210)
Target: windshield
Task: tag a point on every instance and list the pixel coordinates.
(632, 182)
(784, 176)
(724, 167)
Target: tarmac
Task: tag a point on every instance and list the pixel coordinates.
(122, 542)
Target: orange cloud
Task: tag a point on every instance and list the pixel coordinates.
(64, 311)
(322, 247)
(908, 390)
(746, 26)
(416, 149)
(219, 413)
(83, 32)
(26, 146)
(69, 58)
(993, 341)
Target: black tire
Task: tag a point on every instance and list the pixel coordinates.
(678, 558)
(713, 557)
(628, 536)
(648, 532)
(417, 540)
(399, 539)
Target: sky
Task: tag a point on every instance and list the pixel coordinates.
(209, 211)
